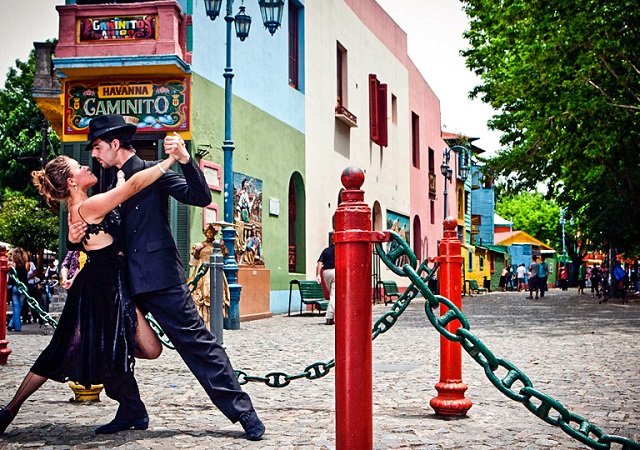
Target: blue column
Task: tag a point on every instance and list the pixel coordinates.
(228, 232)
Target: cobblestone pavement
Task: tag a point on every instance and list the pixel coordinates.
(584, 354)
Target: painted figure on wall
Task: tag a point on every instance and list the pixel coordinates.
(248, 219)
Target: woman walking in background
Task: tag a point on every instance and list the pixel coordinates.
(20, 262)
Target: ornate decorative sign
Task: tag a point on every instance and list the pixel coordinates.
(123, 27)
(159, 105)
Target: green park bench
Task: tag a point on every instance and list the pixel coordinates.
(390, 291)
(311, 293)
(473, 287)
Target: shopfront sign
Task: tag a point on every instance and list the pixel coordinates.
(122, 27)
(159, 105)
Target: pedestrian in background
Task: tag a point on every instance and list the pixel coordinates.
(534, 283)
(521, 271)
(543, 273)
(564, 278)
(504, 275)
(582, 274)
(595, 280)
(71, 265)
(20, 260)
(326, 270)
(34, 291)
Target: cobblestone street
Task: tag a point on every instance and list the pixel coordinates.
(584, 354)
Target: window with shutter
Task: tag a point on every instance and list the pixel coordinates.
(296, 30)
(373, 107)
(383, 134)
(415, 140)
(378, 111)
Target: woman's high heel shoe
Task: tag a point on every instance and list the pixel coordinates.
(6, 417)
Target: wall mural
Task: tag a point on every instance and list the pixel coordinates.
(401, 225)
(247, 202)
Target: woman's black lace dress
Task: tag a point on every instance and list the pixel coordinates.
(94, 338)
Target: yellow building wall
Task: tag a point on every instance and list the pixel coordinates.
(481, 265)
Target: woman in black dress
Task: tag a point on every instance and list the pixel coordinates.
(100, 331)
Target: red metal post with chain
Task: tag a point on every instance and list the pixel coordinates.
(352, 238)
(4, 270)
(450, 400)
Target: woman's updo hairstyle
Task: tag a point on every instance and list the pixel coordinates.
(51, 181)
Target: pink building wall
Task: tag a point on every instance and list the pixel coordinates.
(424, 103)
(170, 38)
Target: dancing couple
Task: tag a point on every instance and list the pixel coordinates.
(133, 268)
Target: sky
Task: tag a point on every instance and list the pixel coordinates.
(434, 31)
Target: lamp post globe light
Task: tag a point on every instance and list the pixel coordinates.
(447, 171)
(271, 11)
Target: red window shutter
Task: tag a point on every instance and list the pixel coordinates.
(383, 137)
(373, 107)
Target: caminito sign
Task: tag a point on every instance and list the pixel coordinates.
(123, 27)
(159, 105)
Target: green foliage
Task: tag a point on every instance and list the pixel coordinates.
(565, 76)
(21, 130)
(533, 214)
(27, 224)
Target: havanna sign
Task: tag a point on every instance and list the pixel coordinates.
(122, 27)
(159, 105)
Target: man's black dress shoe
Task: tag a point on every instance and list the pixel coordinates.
(6, 417)
(253, 426)
(117, 425)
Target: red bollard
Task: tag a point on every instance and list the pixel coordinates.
(450, 400)
(4, 270)
(354, 372)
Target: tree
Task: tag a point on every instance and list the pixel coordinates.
(565, 78)
(533, 214)
(24, 223)
(21, 130)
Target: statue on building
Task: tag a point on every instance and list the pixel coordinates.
(201, 294)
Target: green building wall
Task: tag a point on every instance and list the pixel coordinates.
(266, 149)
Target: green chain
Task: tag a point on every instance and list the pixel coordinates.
(382, 325)
(541, 405)
(204, 268)
(32, 302)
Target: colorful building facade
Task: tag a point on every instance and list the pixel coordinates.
(333, 87)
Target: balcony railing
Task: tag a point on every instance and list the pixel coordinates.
(345, 116)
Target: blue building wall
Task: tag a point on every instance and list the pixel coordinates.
(260, 63)
(483, 205)
(520, 254)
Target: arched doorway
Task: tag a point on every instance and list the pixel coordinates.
(417, 238)
(376, 217)
(297, 231)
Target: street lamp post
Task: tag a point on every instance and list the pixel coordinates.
(271, 11)
(447, 172)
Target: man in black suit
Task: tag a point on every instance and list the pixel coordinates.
(157, 278)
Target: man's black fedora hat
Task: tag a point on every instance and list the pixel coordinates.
(101, 125)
